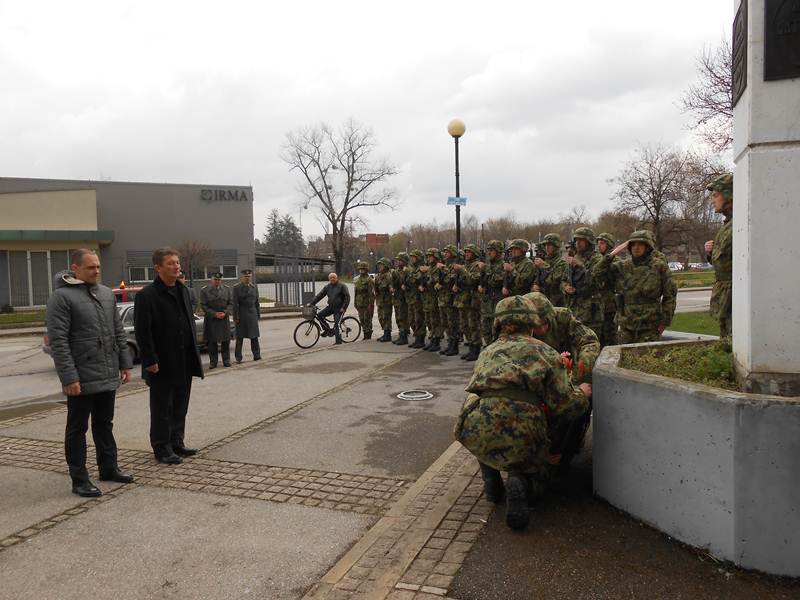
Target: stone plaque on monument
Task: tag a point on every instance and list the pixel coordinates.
(781, 39)
(739, 54)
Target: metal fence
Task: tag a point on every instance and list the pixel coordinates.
(294, 280)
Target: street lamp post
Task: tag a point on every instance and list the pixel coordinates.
(456, 128)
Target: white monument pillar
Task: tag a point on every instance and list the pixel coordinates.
(766, 195)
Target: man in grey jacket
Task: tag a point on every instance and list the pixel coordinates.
(90, 352)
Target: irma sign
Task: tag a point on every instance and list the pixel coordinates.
(224, 195)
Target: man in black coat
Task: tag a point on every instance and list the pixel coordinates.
(338, 301)
(165, 331)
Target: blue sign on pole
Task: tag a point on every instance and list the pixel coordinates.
(454, 201)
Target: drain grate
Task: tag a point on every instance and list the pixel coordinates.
(415, 395)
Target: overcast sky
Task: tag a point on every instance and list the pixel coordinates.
(555, 95)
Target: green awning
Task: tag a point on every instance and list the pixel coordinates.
(55, 235)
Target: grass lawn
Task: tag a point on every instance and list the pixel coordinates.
(695, 322)
(22, 317)
(693, 278)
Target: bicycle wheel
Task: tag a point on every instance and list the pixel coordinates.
(306, 334)
(350, 329)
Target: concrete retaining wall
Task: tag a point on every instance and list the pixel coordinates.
(715, 469)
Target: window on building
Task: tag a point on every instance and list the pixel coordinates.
(229, 271)
(139, 274)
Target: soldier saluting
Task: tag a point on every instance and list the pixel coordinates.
(246, 312)
(217, 303)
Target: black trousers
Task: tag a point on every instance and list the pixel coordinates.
(169, 403)
(337, 316)
(255, 348)
(101, 408)
(213, 352)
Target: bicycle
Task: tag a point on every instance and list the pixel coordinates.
(308, 331)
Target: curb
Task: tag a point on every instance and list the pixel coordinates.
(695, 289)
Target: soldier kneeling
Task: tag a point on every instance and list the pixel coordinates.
(517, 383)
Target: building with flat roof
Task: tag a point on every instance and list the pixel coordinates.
(42, 220)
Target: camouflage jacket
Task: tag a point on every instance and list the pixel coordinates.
(586, 303)
(492, 280)
(567, 334)
(398, 281)
(550, 278)
(524, 364)
(428, 281)
(383, 284)
(522, 278)
(446, 295)
(722, 259)
(648, 292)
(364, 291)
(468, 280)
(412, 281)
(608, 295)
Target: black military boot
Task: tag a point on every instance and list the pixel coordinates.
(517, 511)
(387, 336)
(453, 350)
(402, 339)
(468, 352)
(492, 484)
(368, 336)
(419, 342)
(435, 345)
(474, 351)
(448, 347)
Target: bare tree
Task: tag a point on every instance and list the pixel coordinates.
(195, 254)
(339, 175)
(650, 185)
(709, 98)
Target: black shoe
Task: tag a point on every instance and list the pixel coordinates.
(116, 475)
(326, 334)
(435, 345)
(169, 459)
(448, 347)
(402, 339)
(226, 364)
(368, 336)
(387, 336)
(474, 352)
(238, 361)
(517, 512)
(467, 353)
(493, 487)
(257, 357)
(212, 366)
(453, 349)
(86, 489)
(337, 342)
(419, 342)
(184, 451)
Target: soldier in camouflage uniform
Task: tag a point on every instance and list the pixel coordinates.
(430, 299)
(720, 253)
(517, 382)
(491, 288)
(581, 291)
(365, 298)
(383, 298)
(608, 332)
(416, 315)
(469, 299)
(553, 270)
(447, 308)
(521, 272)
(399, 274)
(647, 298)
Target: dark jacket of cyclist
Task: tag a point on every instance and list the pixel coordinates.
(338, 301)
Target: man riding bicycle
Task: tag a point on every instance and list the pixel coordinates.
(338, 301)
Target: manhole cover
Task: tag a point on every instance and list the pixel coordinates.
(415, 395)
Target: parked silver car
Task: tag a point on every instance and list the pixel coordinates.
(125, 310)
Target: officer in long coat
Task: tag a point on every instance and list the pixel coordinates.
(246, 312)
(217, 303)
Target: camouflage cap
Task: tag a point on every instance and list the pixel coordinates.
(644, 236)
(495, 245)
(472, 248)
(451, 248)
(363, 266)
(403, 256)
(608, 238)
(521, 244)
(418, 253)
(516, 310)
(434, 252)
(552, 238)
(584, 233)
(385, 262)
(541, 305)
(722, 183)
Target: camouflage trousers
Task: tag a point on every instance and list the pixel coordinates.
(470, 320)
(636, 336)
(609, 330)
(401, 314)
(450, 322)
(488, 304)
(508, 435)
(365, 316)
(416, 318)
(433, 320)
(385, 315)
